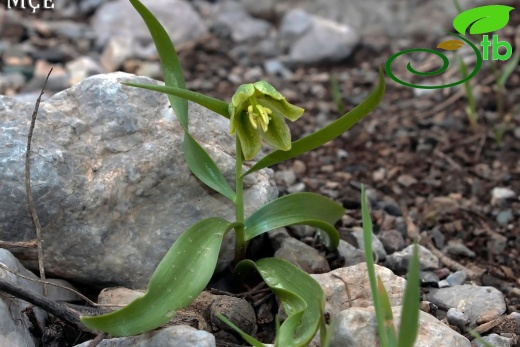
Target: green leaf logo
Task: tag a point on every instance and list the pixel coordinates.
(483, 19)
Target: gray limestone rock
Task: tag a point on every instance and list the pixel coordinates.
(234, 20)
(178, 335)
(14, 324)
(305, 257)
(339, 297)
(324, 41)
(480, 304)
(495, 341)
(357, 327)
(399, 261)
(110, 183)
(119, 18)
(351, 254)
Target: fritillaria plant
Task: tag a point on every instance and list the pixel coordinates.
(257, 112)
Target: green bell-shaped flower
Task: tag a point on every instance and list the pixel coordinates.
(257, 110)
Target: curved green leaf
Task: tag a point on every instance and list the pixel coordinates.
(212, 104)
(328, 133)
(482, 19)
(199, 162)
(202, 166)
(181, 275)
(409, 325)
(171, 67)
(299, 208)
(301, 296)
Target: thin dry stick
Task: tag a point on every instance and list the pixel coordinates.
(43, 302)
(443, 105)
(30, 200)
(20, 244)
(346, 288)
(90, 302)
(97, 340)
(452, 264)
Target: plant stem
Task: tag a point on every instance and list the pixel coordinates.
(240, 243)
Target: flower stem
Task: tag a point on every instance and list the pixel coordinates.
(240, 243)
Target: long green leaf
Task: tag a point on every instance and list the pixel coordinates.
(299, 208)
(171, 67)
(199, 162)
(367, 237)
(181, 275)
(329, 132)
(212, 104)
(301, 296)
(410, 312)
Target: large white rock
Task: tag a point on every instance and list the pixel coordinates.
(109, 179)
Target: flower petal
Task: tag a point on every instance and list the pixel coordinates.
(238, 103)
(288, 110)
(248, 136)
(267, 89)
(278, 134)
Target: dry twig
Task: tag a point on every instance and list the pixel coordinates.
(30, 200)
(18, 244)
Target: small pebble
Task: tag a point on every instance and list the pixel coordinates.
(296, 188)
(495, 341)
(428, 278)
(406, 180)
(443, 284)
(457, 318)
(498, 194)
(457, 248)
(457, 278)
(504, 217)
(392, 240)
(299, 167)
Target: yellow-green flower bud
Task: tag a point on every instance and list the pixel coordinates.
(257, 110)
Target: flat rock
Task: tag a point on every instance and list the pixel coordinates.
(109, 180)
(480, 304)
(357, 327)
(184, 336)
(399, 261)
(358, 294)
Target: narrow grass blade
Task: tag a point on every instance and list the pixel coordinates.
(301, 296)
(510, 67)
(388, 317)
(409, 326)
(329, 132)
(181, 275)
(212, 104)
(367, 237)
(336, 94)
(299, 208)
